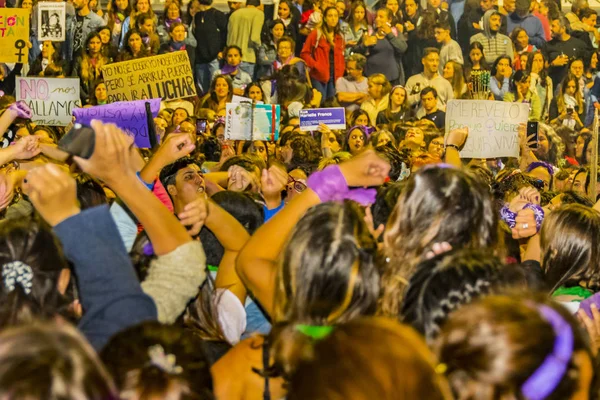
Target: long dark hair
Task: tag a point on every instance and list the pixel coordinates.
(543, 74)
(325, 28)
(518, 77)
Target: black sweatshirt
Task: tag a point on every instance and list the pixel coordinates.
(211, 33)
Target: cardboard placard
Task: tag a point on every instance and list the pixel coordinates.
(51, 100)
(243, 122)
(51, 21)
(14, 34)
(167, 76)
(311, 118)
(127, 115)
(493, 126)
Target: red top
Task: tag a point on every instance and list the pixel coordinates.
(317, 57)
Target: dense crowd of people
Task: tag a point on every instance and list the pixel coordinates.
(371, 262)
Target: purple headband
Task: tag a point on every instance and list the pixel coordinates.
(510, 217)
(367, 131)
(547, 376)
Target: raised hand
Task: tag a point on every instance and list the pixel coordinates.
(26, 148)
(366, 169)
(53, 192)
(174, 147)
(273, 180)
(239, 179)
(457, 137)
(194, 215)
(20, 109)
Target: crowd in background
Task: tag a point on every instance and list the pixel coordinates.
(371, 262)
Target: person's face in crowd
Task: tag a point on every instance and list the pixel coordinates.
(523, 86)
(27, 4)
(537, 64)
(332, 18)
(414, 136)
(543, 175)
(135, 43)
(233, 6)
(221, 88)
(260, 149)
(495, 22)
(354, 73)
(80, 4)
(523, 58)
(398, 97)
(325, 4)
(147, 27)
(284, 50)
(523, 39)
(501, 68)
(431, 63)
(577, 68)
(393, 6)
(167, 116)
(178, 34)
(411, 7)
(359, 14)
(436, 147)
(173, 11)
(255, 93)
(189, 184)
(591, 21)
(104, 36)
(160, 123)
(361, 120)
(178, 117)
(429, 102)
(296, 183)
(334, 145)
(94, 45)
(435, 4)
(594, 61)
(234, 57)
(284, 11)
(448, 72)
(486, 5)
(100, 93)
(556, 29)
(220, 134)
(579, 183)
(510, 5)
(571, 87)
(340, 6)
(579, 145)
(476, 55)
(375, 90)
(189, 128)
(543, 145)
(383, 139)
(47, 50)
(278, 31)
(143, 6)
(121, 4)
(381, 18)
(441, 35)
(356, 141)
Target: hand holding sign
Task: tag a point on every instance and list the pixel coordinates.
(457, 137)
(20, 109)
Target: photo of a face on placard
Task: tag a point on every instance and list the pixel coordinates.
(51, 21)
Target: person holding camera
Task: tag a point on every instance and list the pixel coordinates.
(568, 108)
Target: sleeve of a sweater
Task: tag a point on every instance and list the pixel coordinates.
(174, 279)
(111, 295)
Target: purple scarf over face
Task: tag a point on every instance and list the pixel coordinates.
(168, 22)
(229, 69)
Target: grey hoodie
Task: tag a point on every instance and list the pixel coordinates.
(494, 44)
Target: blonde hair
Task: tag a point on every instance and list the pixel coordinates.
(380, 79)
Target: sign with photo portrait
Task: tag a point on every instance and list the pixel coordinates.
(51, 21)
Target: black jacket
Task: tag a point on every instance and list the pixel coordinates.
(211, 33)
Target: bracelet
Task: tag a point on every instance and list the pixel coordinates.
(453, 146)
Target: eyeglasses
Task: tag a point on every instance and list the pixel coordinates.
(298, 186)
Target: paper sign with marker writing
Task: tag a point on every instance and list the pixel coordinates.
(242, 99)
(51, 100)
(167, 76)
(493, 126)
(311, 118)
(244, 122)
(14, 35)
(127, 115)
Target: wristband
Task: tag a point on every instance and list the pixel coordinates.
(453, 146)
(510, 217)
(330, 185)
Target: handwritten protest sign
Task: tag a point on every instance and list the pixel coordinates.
(168, 76)
(334, 118)
(51, 21)
(127, 115)
(492, 126)
(244, 122)
(14, 34)
(51, 100)
(242, 99)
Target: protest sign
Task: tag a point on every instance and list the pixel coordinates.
(311, 118)
(168, 76)
(127, 115)
(245, 122)
(14, 35)
(492, 126)
(242, 99)
(51, 100)
(51, 21)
